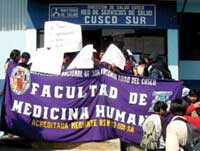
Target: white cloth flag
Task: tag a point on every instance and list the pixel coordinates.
(129, 52)
(84, 59)
(46, 61)
(62, 36)
(113, 55)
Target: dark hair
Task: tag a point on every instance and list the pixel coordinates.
(118, 41)
(159, 105)
(14, 54)
(193, 92)
(178, 107)
(26, 55)
(154, 56)
(141, 62)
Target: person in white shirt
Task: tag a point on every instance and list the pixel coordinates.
(158, 118)
(177, 130)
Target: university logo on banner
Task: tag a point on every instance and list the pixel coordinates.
(20, 80)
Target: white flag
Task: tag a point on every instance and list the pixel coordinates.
(113, 55)
(84, 59)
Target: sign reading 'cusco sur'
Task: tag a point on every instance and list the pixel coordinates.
(105, 14)
(81, 105)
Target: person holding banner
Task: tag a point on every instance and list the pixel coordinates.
(114, 59)
(25, 59)
(15, 56)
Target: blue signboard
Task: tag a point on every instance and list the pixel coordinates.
(105, 14)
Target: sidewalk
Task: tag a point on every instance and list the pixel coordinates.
(19, 144)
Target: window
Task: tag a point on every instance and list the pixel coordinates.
(40, 38)
(141, 41)
(189, 36)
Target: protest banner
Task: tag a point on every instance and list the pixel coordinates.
(81, 105)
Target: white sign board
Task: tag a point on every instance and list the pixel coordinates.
(47, 61)
(64, 36)
(84, 59)
(113, 55)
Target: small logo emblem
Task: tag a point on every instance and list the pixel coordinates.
(20, 80)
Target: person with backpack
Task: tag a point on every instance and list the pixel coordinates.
(157, 69)
(154, 129)
(177, 129)
(182, 135)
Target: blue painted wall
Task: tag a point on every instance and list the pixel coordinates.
(1, 84)
(173, 55)
(190, 70)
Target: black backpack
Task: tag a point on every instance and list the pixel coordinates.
(193, 139)
(159, 70)
(154, 71)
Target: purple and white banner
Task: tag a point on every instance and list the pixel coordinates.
(81, 105)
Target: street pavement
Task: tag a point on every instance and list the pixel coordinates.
(14, 143)
(20, 144)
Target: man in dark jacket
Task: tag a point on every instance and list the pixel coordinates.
(157, 69)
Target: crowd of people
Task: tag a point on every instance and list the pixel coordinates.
(150, 66)
(172, 134)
